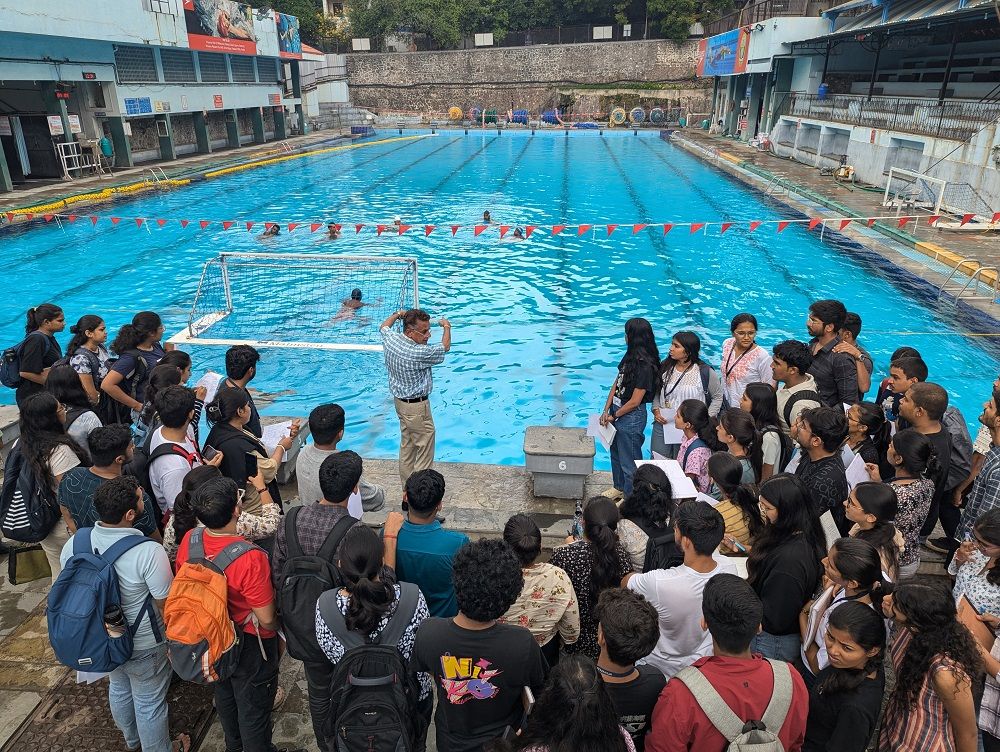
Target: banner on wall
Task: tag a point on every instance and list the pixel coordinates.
(220, 26)
(289, 42)
(724, 54)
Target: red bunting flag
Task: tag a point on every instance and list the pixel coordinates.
(966, 219)
(357, 229)
(268, 225)
(404, 228)
(204, 223)
(29, 215)
(48, 217)
(380, 228)
(694, 227)
(10, 217)
(428, 229)
(315, 226)
(115, 220)
(725, 226)
(636, 229)
(139, 221)
(903, 221)
(782, 226)
(933, 218)
(872, 220)
(996, 218)
(582, 229)
(93, 220)
(504, 229)
(478, 230)
(813, 223)
(249, 226)
(338, 227)
(556, 229)
(71, 218)
(667, 228)
(227, 224)
(528, 229)
(844, 223)
(755, 224)
(293, 225)
(455, 229)
(161, 222)
(185, 222)
(611, 229)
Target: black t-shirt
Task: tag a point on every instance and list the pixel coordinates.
(642, 374)
(253, 425)
(941, 441)
(479, 675)
(843, 721)
(634, 702)
(826, 481)
(39, 352)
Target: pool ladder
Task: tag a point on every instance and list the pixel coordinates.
(970, 290)
(774, 185)
(156, 175)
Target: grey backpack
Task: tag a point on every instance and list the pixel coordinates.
(750, 735)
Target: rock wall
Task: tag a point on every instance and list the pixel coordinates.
(532, 77)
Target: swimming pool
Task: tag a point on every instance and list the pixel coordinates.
(538, 325)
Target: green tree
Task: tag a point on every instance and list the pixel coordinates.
(309, 13)
(438, 19)
(373, 19)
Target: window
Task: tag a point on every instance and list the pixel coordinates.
(213, 66)
(178, 65)
(135, 64)
(242, 68)
(166, 7)
(267, 70)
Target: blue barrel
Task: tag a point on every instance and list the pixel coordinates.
(822, 91)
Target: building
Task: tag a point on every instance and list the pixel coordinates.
(155, 78)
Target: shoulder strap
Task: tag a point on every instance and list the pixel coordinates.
(696, 444)
(231, 553)
(120, 547)
(171, 448)
(781, 697)
(335, 536)
(402, 616)
(704, 369)
(294, 548)
(335, 622)
(805, 394)
(196, 545)
(81, 541)
(710, 701)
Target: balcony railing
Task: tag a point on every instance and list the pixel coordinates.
(759, 12)
(956, 119)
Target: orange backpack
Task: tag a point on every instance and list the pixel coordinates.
(203, 643)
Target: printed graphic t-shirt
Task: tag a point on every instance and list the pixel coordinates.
(479, 676)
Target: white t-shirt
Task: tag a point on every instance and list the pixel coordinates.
(82, 427)
(771, 449)
(676, 596)
(62, 460)
(142, 571)
(166, 475)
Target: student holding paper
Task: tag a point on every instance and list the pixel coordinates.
(872, 507)
(820, 433)
(683, 376)
(700, 440)
(737, 503)
(974, 567)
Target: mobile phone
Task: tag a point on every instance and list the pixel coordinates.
(209, 452)
(528, 701)
(251, 465)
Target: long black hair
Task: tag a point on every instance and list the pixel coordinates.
(877, 427)
(600, 525)
(228, 400)
(988, 528)
(763, 404)
(786, 493)
(574, 713)
(64, 384)
(640, 351)
(727, 473)
(859, 560)
(79, 330)
(866, 628)
(691, 344)
(360, 565)
(695, 412)
(880, 501)
(740, 425)
(35, 317)
(651, 503)
(41, 433)
(916, 453)
(144, 325)
(929, 614)
(184, 517)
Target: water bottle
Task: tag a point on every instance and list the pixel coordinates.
(114, 621)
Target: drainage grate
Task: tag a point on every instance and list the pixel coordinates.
(76, 717)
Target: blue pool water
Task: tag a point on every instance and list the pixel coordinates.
(537, 324)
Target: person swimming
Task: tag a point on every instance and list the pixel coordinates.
(332, 231)
(272, 231)
(349, 306)
(518, 233)
(487, 219)
(397, 221)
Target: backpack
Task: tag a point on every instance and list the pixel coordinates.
(373, 693)
(696, 444)
(750, 735)
(806, 394)
(143, 459)
(661, 549)
(785, 455)
(10, 362)
(203, 643)
(960, 462)
(72, 413)
(705, 370)
(303, 580)
(84, 604)
(28, 508)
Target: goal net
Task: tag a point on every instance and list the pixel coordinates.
(296, 300)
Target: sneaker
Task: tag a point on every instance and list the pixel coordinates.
(613, 493)
(941, 545)
(279, 698)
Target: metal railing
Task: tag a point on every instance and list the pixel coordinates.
(956, 119)
(759, 12)
(323, 75)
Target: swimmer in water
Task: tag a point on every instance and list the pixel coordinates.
(518, 233)
(272, 231)
(332, 231)
(487, 219)
(349, 306)
(397, 221)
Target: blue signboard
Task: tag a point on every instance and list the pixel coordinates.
(138, 106)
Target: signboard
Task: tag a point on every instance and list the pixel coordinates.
(217, 101)
(274, 99)
(724, 54)
(161, 106)
(289, 42)
(138, 106)
(74, 124)
(5, 129)
(89, 76)
(55, 125)
(220, 26)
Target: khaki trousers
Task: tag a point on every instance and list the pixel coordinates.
(416, 437)
(53, 544)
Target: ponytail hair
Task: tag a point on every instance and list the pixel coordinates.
(916, 453)
(727, 473)
(740, 425)
(160, 378)
(600, 525)
(144, 324)
(361, 565)
(184, 517)
(38, 315)
(228, 400)
(695, 412)
(865, 627)
(988, 528)
(857, 559)
(79, 330)
(880, 501)
(879, 430)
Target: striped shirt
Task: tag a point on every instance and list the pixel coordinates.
(985, 493)
(409, 364)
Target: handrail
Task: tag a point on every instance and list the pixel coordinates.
(968, 290)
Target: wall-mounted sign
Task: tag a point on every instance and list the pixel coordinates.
(138, 106)
(161, 106)
(55, 125)
(274, 99)
(220, 26)
(89, 76)
(217, 101)
(289, 43)
(724, 54)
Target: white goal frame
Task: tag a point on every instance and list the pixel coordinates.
(893, 199)
(190, 334)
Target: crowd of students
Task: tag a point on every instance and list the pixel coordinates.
(639, 632)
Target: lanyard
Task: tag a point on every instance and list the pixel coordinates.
(737, 361)
(678, 382)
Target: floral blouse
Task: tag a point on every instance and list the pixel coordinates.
(253, 527)
(546, 606)
(914, 504)
(634, 539)
(695, 463)
(970, 581)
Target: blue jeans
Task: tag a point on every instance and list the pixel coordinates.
(777, 647)
(137, 693)
(627, 447)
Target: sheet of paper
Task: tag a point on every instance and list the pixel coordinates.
(707, 499)
(89, 677)
(658, 456)
(816, 611)
(846, 455)
(847, 408)
(210, 380)
(829, 528)
(856, 472)
(604, 434)
(274, 433)
(681, 485)
(354, 507)
(793, 463)
(671, 433)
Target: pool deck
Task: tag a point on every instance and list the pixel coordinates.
(803, 188)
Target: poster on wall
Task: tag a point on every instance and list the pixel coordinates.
(724, 54)
(289, 42)
(220, 26)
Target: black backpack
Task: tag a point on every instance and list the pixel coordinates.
(786, 447)
(373, 693)
(10, 362)
(303, 580)
(28, 508)
(143, 458)
(805, 394)
(661, 549)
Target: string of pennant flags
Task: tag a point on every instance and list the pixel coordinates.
(780, 225)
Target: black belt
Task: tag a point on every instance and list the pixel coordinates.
(414, 399)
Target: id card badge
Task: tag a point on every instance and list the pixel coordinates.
(615, 402)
